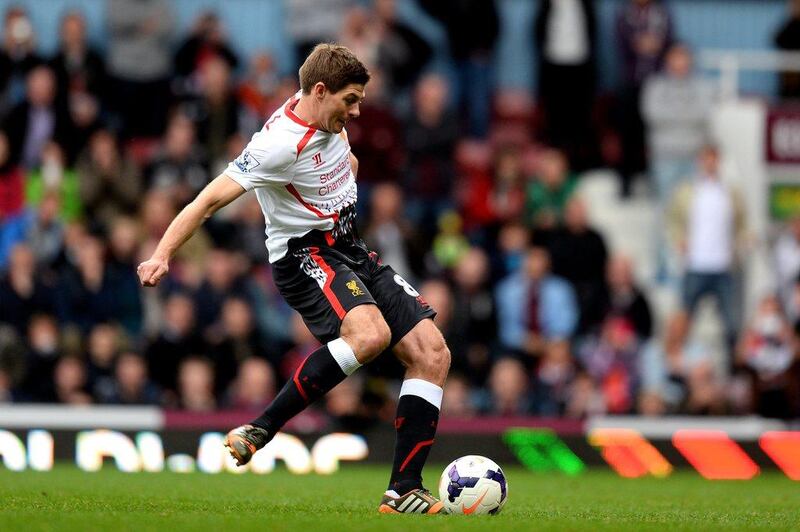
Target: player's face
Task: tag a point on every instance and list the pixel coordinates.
(338, 108)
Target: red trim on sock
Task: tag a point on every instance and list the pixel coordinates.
(326, 288)
(297, 380)
(414, 451)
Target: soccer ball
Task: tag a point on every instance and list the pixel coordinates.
(473, 485)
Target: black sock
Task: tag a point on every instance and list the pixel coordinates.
(315, 377)
(416, 426)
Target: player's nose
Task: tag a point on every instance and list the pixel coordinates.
(354, 111)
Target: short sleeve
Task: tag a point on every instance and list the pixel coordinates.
(262, 162)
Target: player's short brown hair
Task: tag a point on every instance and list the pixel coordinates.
(335, 66)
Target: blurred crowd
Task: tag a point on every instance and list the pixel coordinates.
(470, 194)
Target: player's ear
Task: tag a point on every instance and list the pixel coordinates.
(319, 90)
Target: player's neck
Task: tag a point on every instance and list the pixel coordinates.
(306, 110)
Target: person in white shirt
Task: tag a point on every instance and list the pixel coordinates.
(303, 174)
(707, 223)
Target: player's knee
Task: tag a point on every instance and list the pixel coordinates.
(377, 338)
(441, 357)
(435, 360)
(371, 339)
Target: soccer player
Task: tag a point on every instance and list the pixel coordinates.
(303, 174)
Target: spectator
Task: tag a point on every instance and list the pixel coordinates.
(36, 120)
(310, 22)
(17, 57)
(680, 372)
(78, 67)
(579, 255)
(512, 242)
(788, 39)
(449, 244)
(768, 351)
(131, 385)
(207, 40)
(377, 138)
(472, 28)
(45, 233)
(430, 137)
(82, 82)
(41, 228)
(91, 293)
(53, 175)
(786, 254)
(177, 340)
(44, 350)
(508, 389)
(12, 365)
(196, 385)
(23, 294)
(675, 105)
(179, 166)
(345, 404)
(474, 317)
(216, 111)
(508, 192)
(554, 379)
(109, 183)
(565, 33)
(139, 61)
(233, 339)
(304, 344)
(612, 359)
(360, 33)
(707, 220)
(549, 190)
(624, 299)
(258, 92)
(644, 33)
(104, 344)
(12, 196)
(401, 53)
(456, 400)
(535, 306)
(390, 234)
(69, 379)
(123, 240)
(223, 279)
(254, 386)
(474, 186)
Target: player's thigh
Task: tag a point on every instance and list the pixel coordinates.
(399, 302)
(322, 288)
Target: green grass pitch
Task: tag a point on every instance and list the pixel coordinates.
(69, 499)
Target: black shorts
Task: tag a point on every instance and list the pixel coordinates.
(324, 282)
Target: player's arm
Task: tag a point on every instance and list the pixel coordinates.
(213, 197)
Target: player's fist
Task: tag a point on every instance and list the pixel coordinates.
(151, 271)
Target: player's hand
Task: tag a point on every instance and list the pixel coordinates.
(151, 271)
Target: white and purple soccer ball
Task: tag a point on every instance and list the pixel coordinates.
(473, 485)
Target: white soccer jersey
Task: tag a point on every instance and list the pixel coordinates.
(301, 175)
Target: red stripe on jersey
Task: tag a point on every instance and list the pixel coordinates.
(289, 111)
(326, 288)
(294, 192)
(304, 141)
